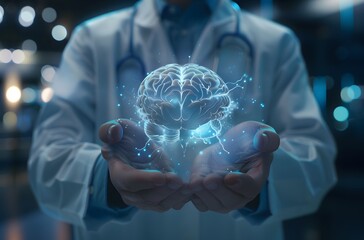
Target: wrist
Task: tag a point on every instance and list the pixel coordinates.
(113, 197)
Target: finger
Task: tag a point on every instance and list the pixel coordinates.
(111, 132)
(181, 204)
(160, 160)
(229, 199)
(136, 200)
(210, 201)
(177, 197)
(242, 184)
(133, 133)
(259, 170)
(106, 152)
(157, 195)
(200, 169)
(130, 179)
(266, 140)
(136, 141)
(176, 200)
(150, 197)
(198, 203)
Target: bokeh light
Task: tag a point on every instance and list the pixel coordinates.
(49, 15)
(18, 56)
(59, 33)
(347, 94)
(341, 114)
(356, 91)
(1, 14)
(48, 72)
(13, 94)
(47, 94)
(29, 45)
(341, 126)
(5, 56)
(10, 120)
(351, 93)
(29, 95)
(26, 16)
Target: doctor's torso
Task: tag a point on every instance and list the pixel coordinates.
(115, 91)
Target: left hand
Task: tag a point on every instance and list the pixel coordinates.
(226, 179)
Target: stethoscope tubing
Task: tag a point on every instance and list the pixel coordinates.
(133, 56)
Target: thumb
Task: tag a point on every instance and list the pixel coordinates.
(111, 132)
(266, 140)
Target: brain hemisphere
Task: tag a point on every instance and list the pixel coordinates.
(183, 97)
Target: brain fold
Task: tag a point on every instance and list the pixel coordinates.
(174, 98)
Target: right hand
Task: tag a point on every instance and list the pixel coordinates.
(126, 149)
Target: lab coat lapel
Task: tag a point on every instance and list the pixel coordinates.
(221, 22)
(152, 40)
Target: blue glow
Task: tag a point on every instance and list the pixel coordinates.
(351, 93)
(182, 102)
(356, 91)
(235, 6)
(319, 90)
(347, 94)
(187, 104)
(347, 15)
(341, 114)
(267, 8)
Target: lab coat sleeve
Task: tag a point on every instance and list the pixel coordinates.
(256, 216)
(64, 149)
(98, 210)
(302, 171)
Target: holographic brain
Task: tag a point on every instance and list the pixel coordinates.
(177, 102)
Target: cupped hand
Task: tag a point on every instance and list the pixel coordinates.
(229, 175)
(139, 169)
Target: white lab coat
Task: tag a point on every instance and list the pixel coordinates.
(66, 146)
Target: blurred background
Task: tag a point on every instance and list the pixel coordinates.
(34, 33)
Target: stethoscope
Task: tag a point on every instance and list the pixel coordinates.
(132, 56)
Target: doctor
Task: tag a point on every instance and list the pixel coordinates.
(73, 182)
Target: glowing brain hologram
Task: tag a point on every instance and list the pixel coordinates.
(179, 103)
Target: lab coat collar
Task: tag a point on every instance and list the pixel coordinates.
(161, 5)
(149, 17)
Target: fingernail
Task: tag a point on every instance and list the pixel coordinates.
(260, 141)
(114, 135)
(211, 186)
